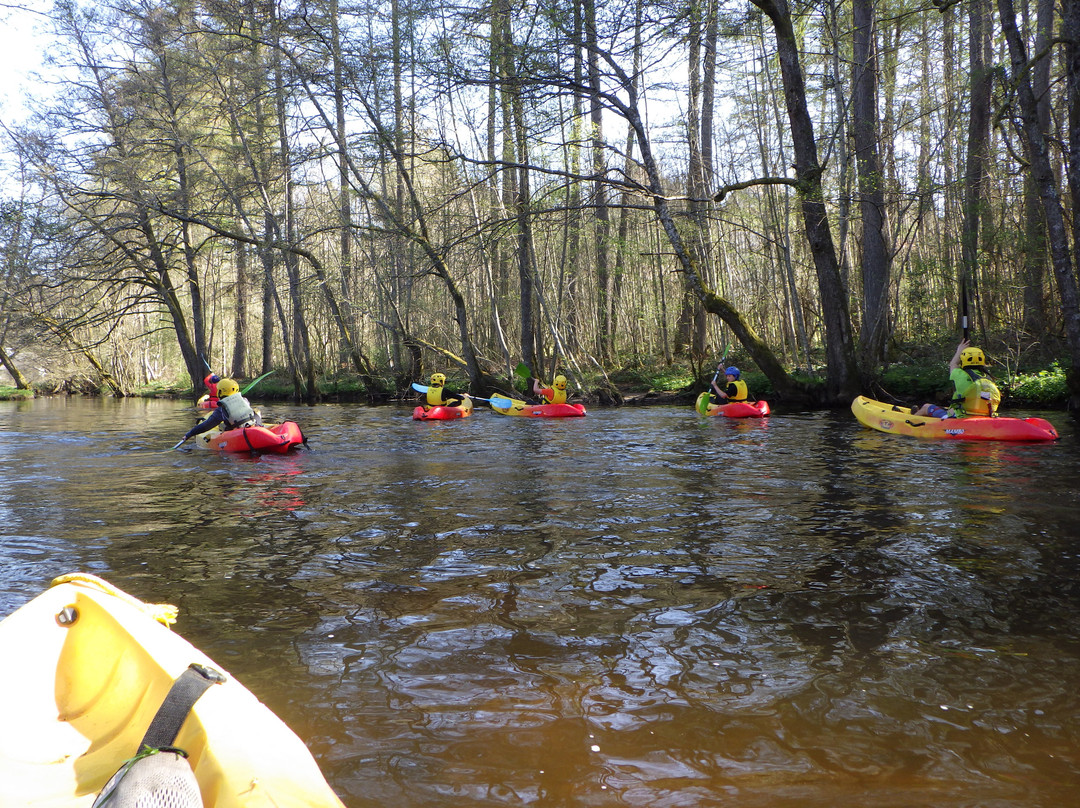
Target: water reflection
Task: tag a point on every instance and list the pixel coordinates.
(641, 607)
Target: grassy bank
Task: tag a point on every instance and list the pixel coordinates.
(14, 394)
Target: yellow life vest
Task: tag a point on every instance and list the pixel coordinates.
(982, 397)
(434, 396)
(557, 396)
(741, 393)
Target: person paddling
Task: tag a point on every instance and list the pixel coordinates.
(211, 382)
(974, 392)
(438, 396)
(734, 389)
(233, 411)
(556, 394)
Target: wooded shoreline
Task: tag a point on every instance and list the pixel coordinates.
(327, 186)
(905, 384)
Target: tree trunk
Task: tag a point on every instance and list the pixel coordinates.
(1043, 172)
(240, 322)
(876, 255)
(21, 382)
(842, 382)
(980, 24)
(602, 221)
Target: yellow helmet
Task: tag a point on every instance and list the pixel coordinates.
(560, 382)
(438, 379)
(968, 356)
(226, 387)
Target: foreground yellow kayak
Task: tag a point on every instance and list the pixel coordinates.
(86, 668)
(901, 421)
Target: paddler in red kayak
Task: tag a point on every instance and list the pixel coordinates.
(439, 396)
(233, 410)
(556, 394)
(734, 390)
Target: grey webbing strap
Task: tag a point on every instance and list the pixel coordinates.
(185, 691)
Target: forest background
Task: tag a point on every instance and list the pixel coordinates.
(359, 194)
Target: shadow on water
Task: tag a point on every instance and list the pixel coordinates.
(642, 607)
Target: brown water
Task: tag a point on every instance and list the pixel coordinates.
(638, 608)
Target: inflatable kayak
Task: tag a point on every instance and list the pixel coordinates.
(900, 421)
(736, 409)
(86, 669)
(442, 413)
(522, 409)
(277, 438)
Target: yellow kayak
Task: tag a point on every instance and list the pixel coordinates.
(86, 668)
(902, 421)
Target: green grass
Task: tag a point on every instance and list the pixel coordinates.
(14, 394)
(676, 377)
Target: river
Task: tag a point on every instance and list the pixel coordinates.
(642, 607)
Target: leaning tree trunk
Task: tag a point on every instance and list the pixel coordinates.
(21, 382)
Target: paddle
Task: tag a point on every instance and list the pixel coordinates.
(498, 401)
(715, 376)
(244, 391)
(178, 445)
(964, 308)
(523, 371)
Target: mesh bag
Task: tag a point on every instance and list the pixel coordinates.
(159, 780)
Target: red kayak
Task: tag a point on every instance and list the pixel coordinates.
(278, 438)
(736, 409)
(205, 402)
(441, 413)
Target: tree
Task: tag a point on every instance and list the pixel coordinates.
(1043, 173)
(842, 383)
(876, 253)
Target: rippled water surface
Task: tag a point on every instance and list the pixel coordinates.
(637, 608)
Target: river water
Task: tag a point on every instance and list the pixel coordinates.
(642, 607)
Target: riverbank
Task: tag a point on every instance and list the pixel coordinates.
(907, 383)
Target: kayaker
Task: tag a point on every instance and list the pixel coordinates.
(233, 411)
(974, 392)
(734, 390)
(439, 396)
(211, 382)
(556, 394)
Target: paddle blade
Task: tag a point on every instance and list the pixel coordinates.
(523, 371)
(501, 403)
(244, 391)
(702, 404)
(178, 445)
(420, 388)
